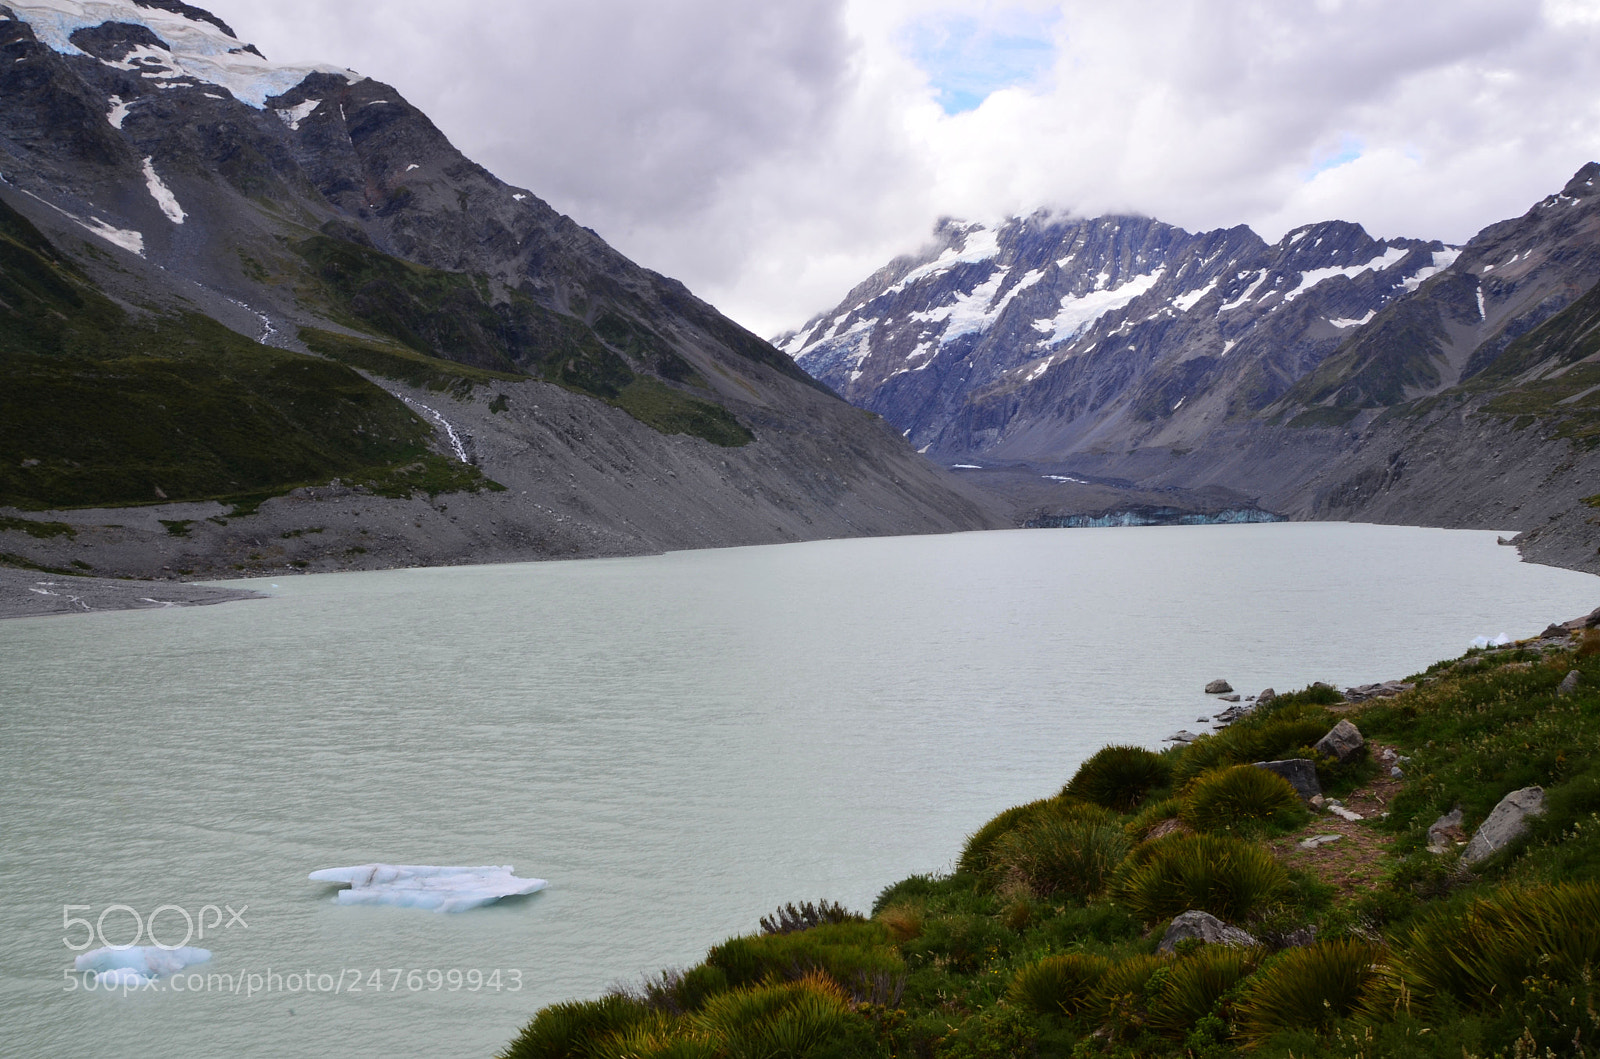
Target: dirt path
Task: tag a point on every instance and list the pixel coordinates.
(1353, 863)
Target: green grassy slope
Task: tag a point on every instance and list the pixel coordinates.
(1043, 942)
(100, 407)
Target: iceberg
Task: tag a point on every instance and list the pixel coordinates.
(1483, 642)
(435, 888)
(129, 966)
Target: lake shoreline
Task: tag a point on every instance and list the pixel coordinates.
(63, 593)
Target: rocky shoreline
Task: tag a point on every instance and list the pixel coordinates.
(31, 594)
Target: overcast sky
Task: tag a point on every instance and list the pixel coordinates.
(772, 153)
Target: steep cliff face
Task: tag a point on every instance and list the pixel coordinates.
(165, 173)
(1043, 337)
(1329, 376)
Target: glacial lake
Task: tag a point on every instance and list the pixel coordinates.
(678, 743)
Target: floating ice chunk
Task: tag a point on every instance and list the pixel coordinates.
(113, 966)
(1482, 642)
(426, 886)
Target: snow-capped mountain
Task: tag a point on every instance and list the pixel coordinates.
(1076, 333)
(159, 176)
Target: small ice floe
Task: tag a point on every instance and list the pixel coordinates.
(1483, 642)
(427, 886)
(137, 963)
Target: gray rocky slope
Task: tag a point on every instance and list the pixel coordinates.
(158, 161)
(1329, 376)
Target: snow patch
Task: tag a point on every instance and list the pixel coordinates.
(1079, 313)
(1249, 292)
(518, 196)
(1442, 259)
(978, 245)
(1483, 312)
(1184, 302)
(118, 112)
(427, 886)
(1345, 321)
(162, 194)
(1064, 478)
(293, 116)
(200, 51)
(976, 312)
(133, 242)
(1310, 279)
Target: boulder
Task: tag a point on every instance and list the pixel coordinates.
(1554, 632)
(1507, 823)
(1205, 927)
(1570, 684)
(1442, 835)
(1229, 698)
(1181, 737)
(1266, 697)
(1588, 621)
(1218, 687)
(1343, 742)
(1300, 772)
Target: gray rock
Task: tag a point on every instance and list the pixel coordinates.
(1506, 824)
(1300, 772)
(1318, 841)
(1181, 737)
(1266, 697)
(1570, 684)
(1387, 690)
(1440, 835)
(1205, 927)
(1554, 632)
(1396, 773)
(1343, 742)
(1229, 698)
(1348, 815)
(1218, 687)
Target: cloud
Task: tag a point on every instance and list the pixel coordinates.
(772, 155)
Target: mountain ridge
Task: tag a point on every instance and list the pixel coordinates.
(177, 174)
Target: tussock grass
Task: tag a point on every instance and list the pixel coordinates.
(1232, 879)
(1057, 985)
(1485, 953)
(1309, 988)
(1195, 986)
(1243, 800)
(1061, 855)
(1119, 777)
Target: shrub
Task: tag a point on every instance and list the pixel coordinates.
(1053, 855)
(1228, 877)
(790, 918)
(566, 1031)
(682, 992)
(1309, 988)
(1242, 800)
(963, 942)
(921, 890)
(1196, 983)
(852, 954)
(1057, 985)
(1119, 777)
(1485, 953)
